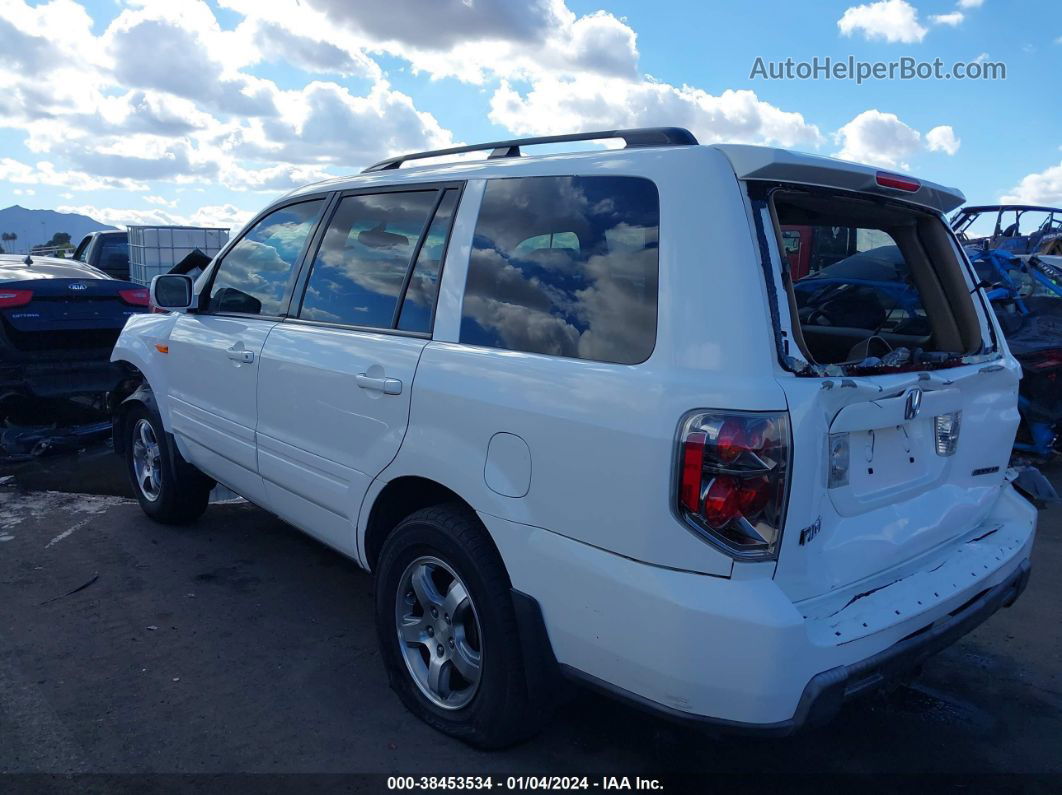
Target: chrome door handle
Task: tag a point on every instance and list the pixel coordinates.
(389, 386)
(240, 355)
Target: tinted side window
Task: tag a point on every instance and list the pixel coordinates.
(253, 277)
(361, 266)
(419, 300)
(566, 266)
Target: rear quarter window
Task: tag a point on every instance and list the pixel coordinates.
(565, 266)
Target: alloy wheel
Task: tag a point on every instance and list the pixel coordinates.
(147, 460)
(438, 633)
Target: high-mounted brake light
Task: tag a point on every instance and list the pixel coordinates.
(733, 470)
(13, 298)
(136, 297)
(897, 182)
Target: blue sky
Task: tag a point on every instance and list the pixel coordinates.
(201, 112)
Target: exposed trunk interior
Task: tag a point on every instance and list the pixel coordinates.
(871, 282)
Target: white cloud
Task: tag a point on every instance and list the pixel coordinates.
(888, 20)
(163, 94)
(45, 172)
(442, 23)
(555, 105)
(325, 124)
(943, 139)
(178, 47)
(473, 42)
(273, 179)
(954, 19)
(161, 202)
(225, 215)
(123, 217)
(1043, 187)
(882, 139)
(971, 3)
(221, 215)
(313, 50)
(160, 96)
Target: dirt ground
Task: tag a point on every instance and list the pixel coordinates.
(239, 645)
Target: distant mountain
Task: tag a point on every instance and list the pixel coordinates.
(34, 227)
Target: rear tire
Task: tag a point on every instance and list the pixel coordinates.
(442, 558)
(168, 488)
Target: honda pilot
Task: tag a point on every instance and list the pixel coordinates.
(584, 418)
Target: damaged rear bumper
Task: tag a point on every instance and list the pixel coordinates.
(736, 653)
(827, 691)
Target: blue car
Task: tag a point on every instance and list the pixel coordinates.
(59, 320)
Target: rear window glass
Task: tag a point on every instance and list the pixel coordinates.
(566, 266)
(114, 254)
(874, 284)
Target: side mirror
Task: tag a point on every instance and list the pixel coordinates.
(172, 291)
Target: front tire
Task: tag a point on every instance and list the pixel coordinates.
(168, 488)
(447, 629)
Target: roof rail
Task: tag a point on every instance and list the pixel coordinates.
(644, 136)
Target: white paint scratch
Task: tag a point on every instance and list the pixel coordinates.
(69, 531)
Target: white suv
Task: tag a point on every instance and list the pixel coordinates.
(721, 430)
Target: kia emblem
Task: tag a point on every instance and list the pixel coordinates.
(77, 286)
(914, 404)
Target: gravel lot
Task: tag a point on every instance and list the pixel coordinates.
(240, 645)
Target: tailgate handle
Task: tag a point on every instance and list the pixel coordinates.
(896, 411)
(389, 386)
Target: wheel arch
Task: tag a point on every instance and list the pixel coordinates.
(397, 499)
(407, 494)
(142, 348)
(132, 390)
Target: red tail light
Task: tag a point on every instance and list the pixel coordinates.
(733, 479)
(897, 182)
(731, 440)
(692, 458)
(136, 297)
(13, 298)
(722, 503)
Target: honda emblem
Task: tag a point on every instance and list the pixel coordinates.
(914, 404)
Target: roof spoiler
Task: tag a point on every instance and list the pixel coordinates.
(780, 165)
